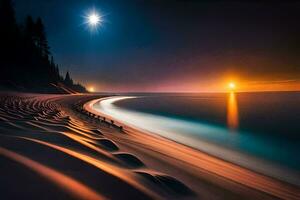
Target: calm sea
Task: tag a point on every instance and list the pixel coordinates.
(260, 126)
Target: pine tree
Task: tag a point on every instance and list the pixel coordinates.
(52, 64)
(68, 81)
(9, 28)
(41, 40)
(24, 57)
(8, 40)
(29, 29)
(59, 77)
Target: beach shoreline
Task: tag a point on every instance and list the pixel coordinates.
(128, 128)
(48, 138)
(145, 123)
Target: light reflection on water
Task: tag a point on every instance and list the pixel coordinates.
(232, 112)
(246, 149)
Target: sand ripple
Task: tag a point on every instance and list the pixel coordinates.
(65, 148)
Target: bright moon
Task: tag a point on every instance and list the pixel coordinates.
(94, 19)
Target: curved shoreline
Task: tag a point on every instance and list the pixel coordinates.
(233, 172)
(57, 145)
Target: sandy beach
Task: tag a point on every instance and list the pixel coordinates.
(57, 147)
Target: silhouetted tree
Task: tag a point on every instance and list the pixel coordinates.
(24, 55)
(41, 40)
(68, 80)
(8, 39)
(29, 28)
(9, 28)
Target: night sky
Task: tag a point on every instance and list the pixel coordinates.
(174, 45)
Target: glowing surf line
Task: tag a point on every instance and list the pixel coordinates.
(175, 129)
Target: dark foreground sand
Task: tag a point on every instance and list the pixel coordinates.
(52, 149)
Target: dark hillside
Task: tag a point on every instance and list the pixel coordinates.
(26, 63)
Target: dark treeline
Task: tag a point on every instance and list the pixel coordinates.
(25, 60)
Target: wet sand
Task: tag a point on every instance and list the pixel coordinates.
(52, 148)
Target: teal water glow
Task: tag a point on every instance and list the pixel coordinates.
(273, 154)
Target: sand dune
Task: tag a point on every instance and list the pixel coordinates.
(51, 148)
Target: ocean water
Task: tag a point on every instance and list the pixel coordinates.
(259, 130)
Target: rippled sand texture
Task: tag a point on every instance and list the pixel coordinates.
(51, 149)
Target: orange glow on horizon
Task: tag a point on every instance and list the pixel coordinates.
(231, 85)
(91, 89)
(219, 84)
